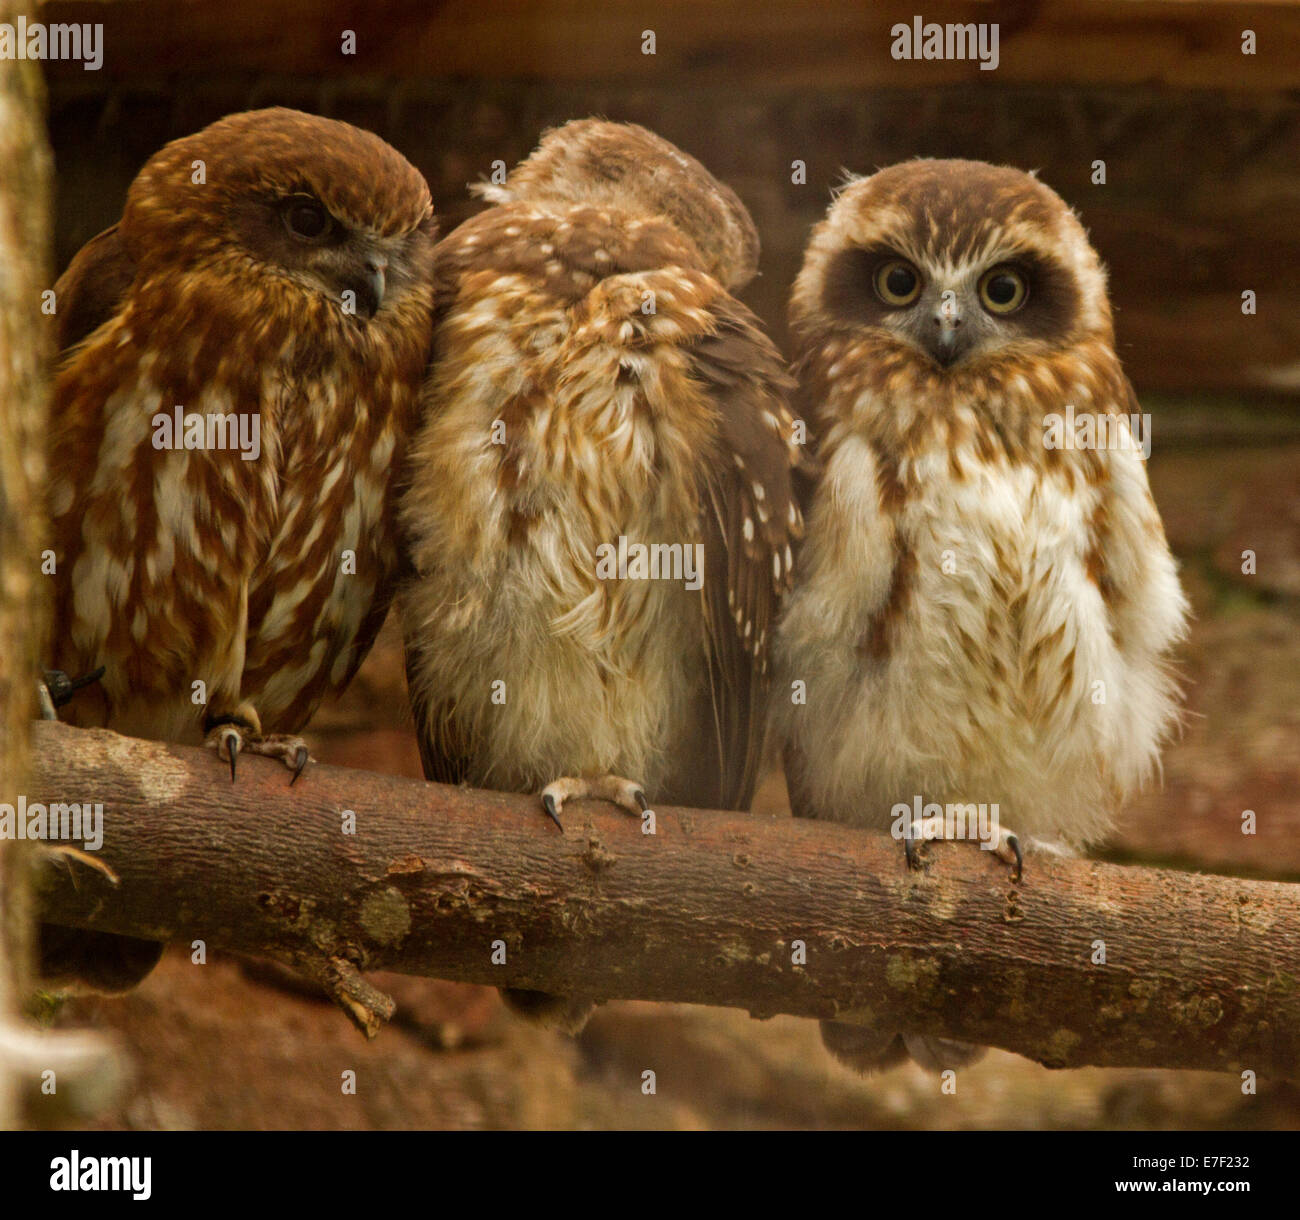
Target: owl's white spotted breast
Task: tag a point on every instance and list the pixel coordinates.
(963, 649)
(239, 580)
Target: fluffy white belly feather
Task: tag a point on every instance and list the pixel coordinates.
(997, 678)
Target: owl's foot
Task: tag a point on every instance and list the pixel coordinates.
(625, 793)
(57, 688)
(234, 735)
(1008, 850)
(866, 1050)
(922, 830)
(919, 830)
(940, 1055)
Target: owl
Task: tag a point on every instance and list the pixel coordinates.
(985, 604)
(242, 355)
(600, 513)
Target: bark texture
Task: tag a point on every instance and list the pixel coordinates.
(1079, 963)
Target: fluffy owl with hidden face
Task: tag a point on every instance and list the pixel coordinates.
(985, 601)
(596, 389)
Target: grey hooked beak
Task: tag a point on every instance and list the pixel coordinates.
(368, 282)
(947, 321)
(370, 286)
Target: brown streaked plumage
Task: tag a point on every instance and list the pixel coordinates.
(594, 379)
(222, 291)
(964, 590)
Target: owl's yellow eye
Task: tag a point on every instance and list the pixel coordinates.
(897, 282)
(1003, 290)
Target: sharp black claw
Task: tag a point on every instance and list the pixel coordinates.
(88, 679)
(61, 687)
(300, 764)
(640, 800)
(548, 803)
(232, 748)
(1019, 870)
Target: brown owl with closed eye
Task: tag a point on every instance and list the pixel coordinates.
(985, 601)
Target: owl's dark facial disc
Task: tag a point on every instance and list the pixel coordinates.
(951, 314)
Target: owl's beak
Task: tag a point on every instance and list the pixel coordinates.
(371, 285)
(946, 345)
(366, 277)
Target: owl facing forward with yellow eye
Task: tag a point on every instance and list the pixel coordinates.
(985, 601)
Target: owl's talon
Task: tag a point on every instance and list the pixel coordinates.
(624, 793)
(292, 751)
(226, 736)
(918, 831)
(61, 688)
(55, 689)
(1012, 844)
(230, 741)
(236, 735)
(1007, 849)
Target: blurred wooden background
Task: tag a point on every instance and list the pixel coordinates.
(1201, 142)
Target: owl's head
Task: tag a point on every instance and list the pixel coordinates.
(621, 165)
(958, 261)
(302, 202)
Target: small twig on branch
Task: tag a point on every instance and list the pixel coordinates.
(365, 1005)
(1080, 963)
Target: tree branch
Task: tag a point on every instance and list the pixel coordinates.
(1198, 971)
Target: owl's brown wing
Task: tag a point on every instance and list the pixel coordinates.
(803, 402)
(89, 292)
(750, 523)
(1130, 562)
(86, 296)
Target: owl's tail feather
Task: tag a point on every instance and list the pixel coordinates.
(867, 1050)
